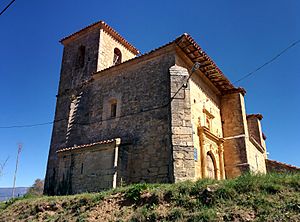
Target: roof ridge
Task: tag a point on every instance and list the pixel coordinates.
(103, 25)
(85, 145)
(286, 164)
(225, 86)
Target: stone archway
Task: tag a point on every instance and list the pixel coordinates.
(210, 166)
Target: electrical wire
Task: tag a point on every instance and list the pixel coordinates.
(100, 121)
(86, 123)
(29, 125)
(268, 62)
(7, 7)
(196, 66)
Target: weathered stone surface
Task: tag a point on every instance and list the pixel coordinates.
(183, 150)
(143, 130)
(199, 132)
(278, 167)
(235, 133)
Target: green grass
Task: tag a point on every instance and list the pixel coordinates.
(271, 197)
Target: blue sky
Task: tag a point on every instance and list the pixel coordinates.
(238, 35)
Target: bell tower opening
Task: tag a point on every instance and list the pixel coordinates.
(117, 56)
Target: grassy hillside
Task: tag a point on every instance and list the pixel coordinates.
(248, 198)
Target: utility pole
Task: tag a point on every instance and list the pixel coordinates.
(17, 162)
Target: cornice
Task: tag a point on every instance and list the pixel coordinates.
(210, 135)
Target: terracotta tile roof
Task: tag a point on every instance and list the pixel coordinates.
(189, 46)
(85, 145)
(258, 116)
(284, 164)
(108, 29)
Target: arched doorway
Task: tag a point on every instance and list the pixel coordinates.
(211, 170)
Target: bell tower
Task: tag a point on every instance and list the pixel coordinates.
(92, 49)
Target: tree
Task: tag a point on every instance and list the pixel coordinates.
(2, 165)
(37, 188)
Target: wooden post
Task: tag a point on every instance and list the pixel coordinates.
(117, 143)
(15, 175)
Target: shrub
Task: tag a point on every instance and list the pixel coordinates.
(135, 191)
(205, 215)
(37, 188)
(176, 214)
(225, 193)
(144, 214)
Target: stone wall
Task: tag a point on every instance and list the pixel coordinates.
(159, 135)
(141, 91)
(87, 169)
(244, 147)
(106, 51)
(278, 167)
(235, 133)
(205, 99)
(256, 157)
(254, 127)
(71, 78)
(137, 88)
(182, 141)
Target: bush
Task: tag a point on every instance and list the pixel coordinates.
(144, 214)
(176, 214)
(134, 192)
(225, 193)
(37, 188)
(205, 215)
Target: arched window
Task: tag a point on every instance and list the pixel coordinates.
(117, 56)
(113, 108)
(80, 57)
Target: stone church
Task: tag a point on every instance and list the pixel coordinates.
(164, 116)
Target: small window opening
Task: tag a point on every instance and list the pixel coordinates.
(117, 56)
(80, 57)
(81, 169)
(208, 123)
(113, 109)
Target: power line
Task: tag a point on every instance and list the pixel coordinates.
(269, 61)
(7, 7)
(28, 125)
(196, 66)
(87, 123)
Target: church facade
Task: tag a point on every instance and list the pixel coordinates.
(161, 117)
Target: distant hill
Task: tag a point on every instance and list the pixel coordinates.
(6, 193)
(271, 197)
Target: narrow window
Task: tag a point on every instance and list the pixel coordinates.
(113, 109)
(208, 123)
(81, 170)
(80, 57)
(117, 56)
